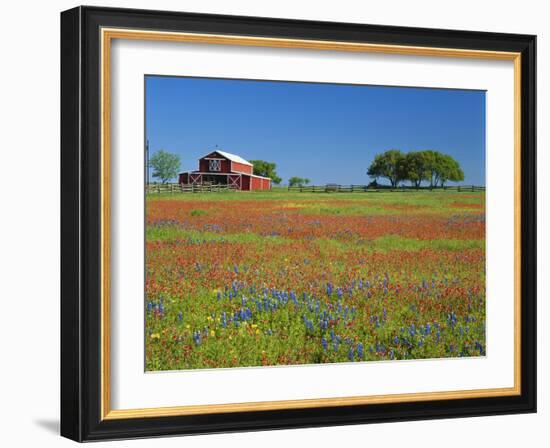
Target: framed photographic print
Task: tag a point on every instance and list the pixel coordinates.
(273, 223)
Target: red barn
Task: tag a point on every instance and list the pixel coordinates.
(224, 168)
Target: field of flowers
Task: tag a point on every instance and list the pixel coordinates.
(238, 279)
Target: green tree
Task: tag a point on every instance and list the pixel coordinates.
(413, 167)
(266, 169)
(296, 181)
(450, 170)
(433, 166)
(165, 165)
(388, 165)
(441, 168)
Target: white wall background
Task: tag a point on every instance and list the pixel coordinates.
(29, 219)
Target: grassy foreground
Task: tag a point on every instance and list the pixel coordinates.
(277, 278)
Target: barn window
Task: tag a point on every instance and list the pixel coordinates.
(215, 165)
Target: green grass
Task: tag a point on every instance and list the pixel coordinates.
(423, 198)
(172, 233)
(347, 277)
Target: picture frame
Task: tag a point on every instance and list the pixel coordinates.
(86, 37)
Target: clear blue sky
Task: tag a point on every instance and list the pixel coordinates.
(328, 133)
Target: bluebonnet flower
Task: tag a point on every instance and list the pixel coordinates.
(480, 348)
(451, 317)
(294, 298)
(350, 354)
(324, 343)
(360, 350)
(180, 316)
(197, 337)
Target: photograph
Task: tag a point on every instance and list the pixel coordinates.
(295, 223)
(284, 221)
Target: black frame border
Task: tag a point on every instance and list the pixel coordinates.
(81, 223)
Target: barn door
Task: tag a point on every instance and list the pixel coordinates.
(234, 181)
(195, 179)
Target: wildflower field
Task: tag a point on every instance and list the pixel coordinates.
(237, 279)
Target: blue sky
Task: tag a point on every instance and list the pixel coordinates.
(328, 133)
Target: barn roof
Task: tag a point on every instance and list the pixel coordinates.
(233, 157)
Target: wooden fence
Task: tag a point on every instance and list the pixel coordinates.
(333, 188)
(186, 188)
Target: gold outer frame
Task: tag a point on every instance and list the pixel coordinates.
(107, 35)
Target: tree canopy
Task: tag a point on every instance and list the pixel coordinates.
(416, 166)
(387, 165)
(165, 165)
(296, 181)
(266, 169)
